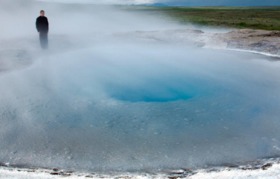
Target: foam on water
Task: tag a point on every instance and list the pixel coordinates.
(267, 169)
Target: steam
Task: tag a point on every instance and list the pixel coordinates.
(110, 2)
(123, 90)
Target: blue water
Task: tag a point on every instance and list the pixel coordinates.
(123, 107)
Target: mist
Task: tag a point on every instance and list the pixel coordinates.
(121, 90)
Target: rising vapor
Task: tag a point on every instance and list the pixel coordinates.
(121, 90)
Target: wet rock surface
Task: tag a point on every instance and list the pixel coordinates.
(260, 41)
(246, 39)
(259, 165)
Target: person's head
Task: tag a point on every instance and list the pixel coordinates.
(42, 13)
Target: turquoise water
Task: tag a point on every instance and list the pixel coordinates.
(120, 90)
(123, 107)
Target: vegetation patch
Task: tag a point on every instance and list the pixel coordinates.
(266, 18)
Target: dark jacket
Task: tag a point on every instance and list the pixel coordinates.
(42, 24)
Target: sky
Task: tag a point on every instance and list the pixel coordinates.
(222, 2)
(181, 2)
(124, 2)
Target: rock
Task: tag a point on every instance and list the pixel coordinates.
(3, 164)
(177, 172)
(174, 177)
(266, 166)
(54, 173)
(55, 169)
(253, 40)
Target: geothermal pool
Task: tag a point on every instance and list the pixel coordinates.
(133, 108)
(130, 93)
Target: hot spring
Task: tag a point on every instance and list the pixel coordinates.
(131, 105)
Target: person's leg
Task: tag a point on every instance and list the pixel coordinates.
(41, 39)
(44, 40)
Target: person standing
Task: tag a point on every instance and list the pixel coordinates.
(42, 26)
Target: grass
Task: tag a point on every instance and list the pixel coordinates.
(266, 18)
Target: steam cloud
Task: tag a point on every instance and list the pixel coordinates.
(124, 90)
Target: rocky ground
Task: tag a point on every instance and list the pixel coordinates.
(246, 39)
(258, 41)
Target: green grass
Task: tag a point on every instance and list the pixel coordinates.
(266, 18)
